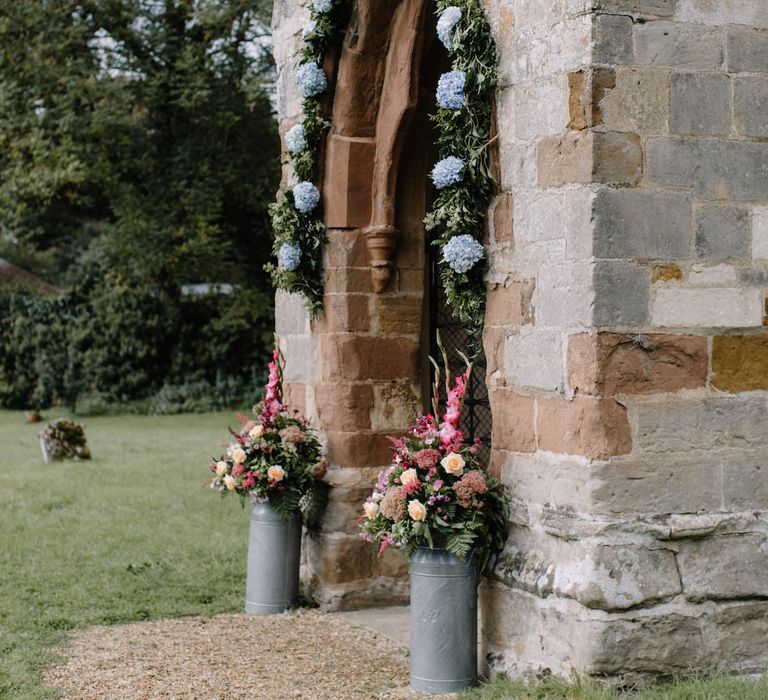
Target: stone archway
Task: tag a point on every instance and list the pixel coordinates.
(366, 381)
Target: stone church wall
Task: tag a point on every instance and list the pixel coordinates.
(625, 337)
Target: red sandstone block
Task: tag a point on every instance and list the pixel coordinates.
(513, 421)
(358, 449)
(510, 305)
(503, 219)
(366, 357)
(614, 363)
(346, 313)
(592, 427)
(295, 397)
(344, 406)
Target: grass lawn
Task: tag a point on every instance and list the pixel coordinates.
(694, 688)
(133, 534)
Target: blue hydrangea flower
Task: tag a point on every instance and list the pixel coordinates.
(289, 256)
(445, 25)
(462, 253)
(322, 6)
(306, 197)
(295, 140)
(312, 80)
(450, 89)
(449, 171)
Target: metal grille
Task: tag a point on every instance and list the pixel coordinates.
(476, 420)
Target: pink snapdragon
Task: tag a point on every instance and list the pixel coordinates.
(272, 403)
(449, 434)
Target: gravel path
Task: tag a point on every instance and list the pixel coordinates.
(303, 654)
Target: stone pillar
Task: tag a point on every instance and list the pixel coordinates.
(355, 370)
(628, 359)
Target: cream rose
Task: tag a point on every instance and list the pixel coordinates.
(238, 455)
(417, 511)
(256, 432)
(221, 468)
(453, 463)
(408, 476)
(371, 510)
(229, 482)
(276, 473)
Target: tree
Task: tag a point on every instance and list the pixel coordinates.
(138, 154)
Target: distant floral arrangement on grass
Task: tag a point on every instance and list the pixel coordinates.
(463, 119)
(274, 457)
(435, 493)
(297, 219)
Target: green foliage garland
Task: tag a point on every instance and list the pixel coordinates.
(289, 225)
(466, 134)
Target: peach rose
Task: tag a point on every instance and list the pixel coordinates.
(408, 476)
(221, 468)
(256, 432)
(229, 482)
(453, 463)
(417, 511)
(371, 510)
(238, 455)
(276, 473)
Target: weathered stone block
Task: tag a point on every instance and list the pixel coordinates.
(585, 157)
(740, 363)
(657, 483)
(612, 363)
(348, 280)
(343, 406)
(723, 568)
(679, 45)
(689, 426)
(715, 169)
(722, 12)
(291, 314)
(510, 304)
(358, 449)
(760, 234)
(346, 249)
(503, 219)
(394, 407)
(348, 180)
(745, 481)
(638, 102)
(613, 39)
(534, 358)
(658, 8)
(747, 50)
(592, 427)
(357, 358)
(538, 108)
(586, 90)
(398, 314)
(641, 224)
(564, 296)
(598, 574)
(700, 103)
(298, 351)
(722, 232)
(345, 313)
(677, 307)
(712, 276)
(513, 424)
(750, 97)
(742, 629)
(621, 294)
